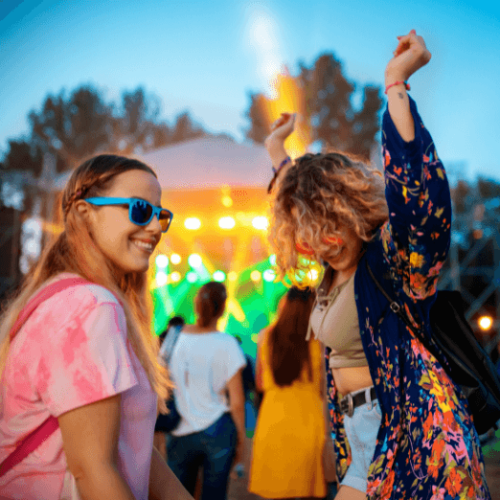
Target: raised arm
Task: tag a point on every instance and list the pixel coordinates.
(418, 234)
(410, 55)
(275, 143)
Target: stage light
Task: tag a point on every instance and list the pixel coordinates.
(161, 278)
(269, 275)
(272, 259)
(194, 260)
(255, 337)
(227, 201)
(232, 276)
(255, 276)
(485, 322)
(313, 274)
(219, 276)
(260, 222)
(226, 223)
(161, 261)
(192, 223)
(175, 276)
(175, 258)
(192, 277)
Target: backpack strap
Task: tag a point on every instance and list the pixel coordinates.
(33, 440)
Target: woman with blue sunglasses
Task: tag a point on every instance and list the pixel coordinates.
(80, 380)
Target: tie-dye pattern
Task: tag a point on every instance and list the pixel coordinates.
(73, 351)
(427, 446)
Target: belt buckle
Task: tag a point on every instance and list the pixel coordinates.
(347, 405)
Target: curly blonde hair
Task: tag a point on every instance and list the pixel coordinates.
(314, 199)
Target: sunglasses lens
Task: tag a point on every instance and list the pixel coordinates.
(141, 212)
(165, 220)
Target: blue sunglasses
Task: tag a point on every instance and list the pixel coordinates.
(140, 212)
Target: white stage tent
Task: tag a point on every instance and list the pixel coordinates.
(208, 162)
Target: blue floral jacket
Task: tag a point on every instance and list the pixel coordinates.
(427, 447)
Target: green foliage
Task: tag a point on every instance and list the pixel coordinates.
(76, 126)
(335, 122)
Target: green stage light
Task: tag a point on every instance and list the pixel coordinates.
(194, 260)
(255, 276)
(269, 275)
(219, 276)
(161, 278)
(192, 277)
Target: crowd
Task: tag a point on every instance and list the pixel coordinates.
(347, 397)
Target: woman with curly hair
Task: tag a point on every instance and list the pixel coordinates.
(401, 426)
(79, 373)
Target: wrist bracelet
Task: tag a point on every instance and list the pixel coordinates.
(277, 171)
(406, 84)
(282, 164)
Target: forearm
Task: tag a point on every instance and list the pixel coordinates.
(102, 481)
(399, 109)
(238, 415)
(277, 152)
(163, 483)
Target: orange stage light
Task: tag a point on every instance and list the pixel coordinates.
(289, 98)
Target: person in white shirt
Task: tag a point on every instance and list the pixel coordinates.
(206, 366)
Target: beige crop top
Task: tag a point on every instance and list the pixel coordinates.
(334, 321)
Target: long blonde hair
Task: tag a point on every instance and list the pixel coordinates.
(314, 199)
(74, 251)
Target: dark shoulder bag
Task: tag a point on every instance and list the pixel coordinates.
(467, 363)
(170, 421)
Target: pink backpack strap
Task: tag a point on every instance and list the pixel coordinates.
(33, 440)
(29, 444)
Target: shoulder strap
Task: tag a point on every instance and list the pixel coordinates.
(33, 440)
(395, 307)
(176, 334)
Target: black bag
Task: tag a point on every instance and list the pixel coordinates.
(170, 421)
(467, 363)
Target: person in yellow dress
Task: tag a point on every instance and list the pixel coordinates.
(291, 430)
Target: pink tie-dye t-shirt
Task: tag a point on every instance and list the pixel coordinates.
(71, 352)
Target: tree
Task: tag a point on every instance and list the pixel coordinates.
(137, 126)
(185, 129)
(329, 110)
(23, 155)
(488, 188)
(75, 126)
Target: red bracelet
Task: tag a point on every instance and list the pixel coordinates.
(406, 84)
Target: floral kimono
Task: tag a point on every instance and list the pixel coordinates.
(427, 447)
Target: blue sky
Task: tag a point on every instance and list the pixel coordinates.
(206, 57)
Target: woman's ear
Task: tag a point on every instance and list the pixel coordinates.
(83, 210)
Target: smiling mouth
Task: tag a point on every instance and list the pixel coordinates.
(145, 247)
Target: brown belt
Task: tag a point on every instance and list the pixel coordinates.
(348, 403)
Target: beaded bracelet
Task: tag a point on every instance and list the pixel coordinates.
(276, 172)
(282, 164)
(406, 84)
